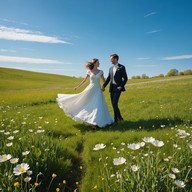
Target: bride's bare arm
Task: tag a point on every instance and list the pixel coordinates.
(103, 78)
(82, 83)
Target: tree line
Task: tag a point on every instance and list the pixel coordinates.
(171, 72)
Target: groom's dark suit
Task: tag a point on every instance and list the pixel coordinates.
(117, 85)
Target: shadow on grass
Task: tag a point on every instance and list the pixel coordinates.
(67, 167)
(142, 124)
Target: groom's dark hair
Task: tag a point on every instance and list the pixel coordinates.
(115, 56)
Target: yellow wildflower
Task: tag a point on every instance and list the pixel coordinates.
(54, 175)
(36, 184)
(95, 187)
(16, 184)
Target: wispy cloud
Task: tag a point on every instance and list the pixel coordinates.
(149, 14)
(144, 58)
(22, 68)
(56, 70)
(29, 60)
(12, 21)
(154, 31)
(16, 34)
(146, 66)
(177, 57)
(7, 50)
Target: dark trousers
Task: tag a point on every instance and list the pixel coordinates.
(115, 95)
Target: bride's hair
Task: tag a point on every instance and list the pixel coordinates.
(90, 64)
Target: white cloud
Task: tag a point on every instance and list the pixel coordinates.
(149, 14)
(7, 50)
(29, 60)
(146, 65)
(16, 34)
(22, 68)
(177, 57)
(7, 20)
(12, 21)
(154, 31)
(59, 70)
(144, 58)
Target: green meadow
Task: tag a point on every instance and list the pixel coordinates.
(43, 150)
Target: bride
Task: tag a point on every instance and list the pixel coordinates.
(89, 106)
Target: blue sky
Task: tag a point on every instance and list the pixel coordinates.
(59, 36)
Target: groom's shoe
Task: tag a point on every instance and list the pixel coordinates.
(94, 127)
(120, 120)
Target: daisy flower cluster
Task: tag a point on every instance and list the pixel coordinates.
(146, 164)
(24, 151)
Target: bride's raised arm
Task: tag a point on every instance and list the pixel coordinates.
(82, 83)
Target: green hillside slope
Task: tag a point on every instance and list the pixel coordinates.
(60, 151)
(14, 79)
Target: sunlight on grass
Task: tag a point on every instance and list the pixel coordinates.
(44, 150)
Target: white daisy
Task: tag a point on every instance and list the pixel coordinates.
(5, 157)
(148, 139)
(27, 179)
(175, 170)
(16, 131)
(25, 152)
(21, 168)
(119, 161)
(179, 183)
(14, 160)
(158, 143)
(172, 176)
(9, 144)
(10, 138)
(135, 168)
(99, 146)
(134, 146)
(29, 172)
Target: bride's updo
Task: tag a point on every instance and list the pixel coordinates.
(90, 64)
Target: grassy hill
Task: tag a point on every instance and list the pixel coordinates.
(61, 153)
(13, 79)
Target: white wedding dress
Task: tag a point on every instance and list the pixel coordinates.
(89, 106)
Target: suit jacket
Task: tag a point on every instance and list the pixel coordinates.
(120, 77)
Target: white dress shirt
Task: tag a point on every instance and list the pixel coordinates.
(114, 71)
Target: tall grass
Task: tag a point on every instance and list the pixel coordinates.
(60, 151)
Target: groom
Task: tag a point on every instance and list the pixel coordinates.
(117, 78)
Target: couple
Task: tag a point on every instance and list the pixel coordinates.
(90, 106)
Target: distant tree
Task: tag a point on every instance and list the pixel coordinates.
(138, 77)
(161, 75)
(181, 73)
(144, 76)
(173, 72)
(188, 72)
(133, 77)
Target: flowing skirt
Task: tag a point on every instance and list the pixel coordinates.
(89, 106)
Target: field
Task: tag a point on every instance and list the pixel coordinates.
(41, 149)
